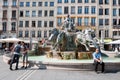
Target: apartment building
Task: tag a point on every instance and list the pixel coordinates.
(37, 18)
(8, 18)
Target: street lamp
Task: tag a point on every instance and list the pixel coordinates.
(30, 40)
(102, 39)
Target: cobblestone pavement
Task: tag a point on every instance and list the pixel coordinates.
(53, 74)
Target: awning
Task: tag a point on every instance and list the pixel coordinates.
(115, 42)
(10, 40)
(107, 40)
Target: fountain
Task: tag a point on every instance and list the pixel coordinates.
(66, 40)
(68, 43)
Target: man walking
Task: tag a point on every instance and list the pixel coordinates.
(98, 60)
(16, 55)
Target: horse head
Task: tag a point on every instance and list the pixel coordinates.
(54, 34)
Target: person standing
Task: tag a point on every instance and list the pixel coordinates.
(16, 55)
(98, 60)
(24, 50)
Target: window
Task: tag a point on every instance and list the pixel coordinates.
(106, 33)
(21, 4)
(86, 10)
(59, 10)
(107, 11)
(79, 9)
(45, 34)
(106, 21)
(59, 1)
(51, 23)
(66, 10)
(13, 25)
(93, 1)
(20, 33)
(21, 13)
(106, 1)
(51, 4)
(40, 13)
(73, 20)
(100, 11)
(114, 33)
(4, 25)
(45, 23)
(45, 13)
(4, 13)
(46, 3)
(27, 33)
(39, 23)
(86, 1)
(5, 3)
(33, 24)
(65, 1)
(26, 23)
(119, 12)
(79, 21)
(14, 2)
(49, 33)
(34, 4)
(119, 22)
(14, 14)
(20, 23)
(72, 1)
(40, 4)
(51, 13)
(86, 21)
(27, 14)
(93, 10)
(79, 1)
(119, 2)
(72, 9)
(114, 12)
(27, 4)
(33, 33)
(59, 21)
(114, 2)
(100, 1)
(100, 22)
(39, 34)
(114, 21)
(33, 13)
(93, 20)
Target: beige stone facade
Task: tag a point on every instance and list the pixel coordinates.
(37, 18)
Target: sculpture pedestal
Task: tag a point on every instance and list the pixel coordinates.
(84, 55)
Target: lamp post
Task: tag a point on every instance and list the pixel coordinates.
(30, 40)
(102, 39)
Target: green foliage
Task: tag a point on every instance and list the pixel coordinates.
(117, 56)
(31, 53)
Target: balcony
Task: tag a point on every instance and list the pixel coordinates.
(4, 18)
(5, 6)
(13, 18)
(116, 26)
(14, 6)
(13, 31)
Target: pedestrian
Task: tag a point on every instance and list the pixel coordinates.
(116, 51)
(24, 50)
(16, 54)
(98, 60)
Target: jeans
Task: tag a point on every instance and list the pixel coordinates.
(15, 59)
(99, 63)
